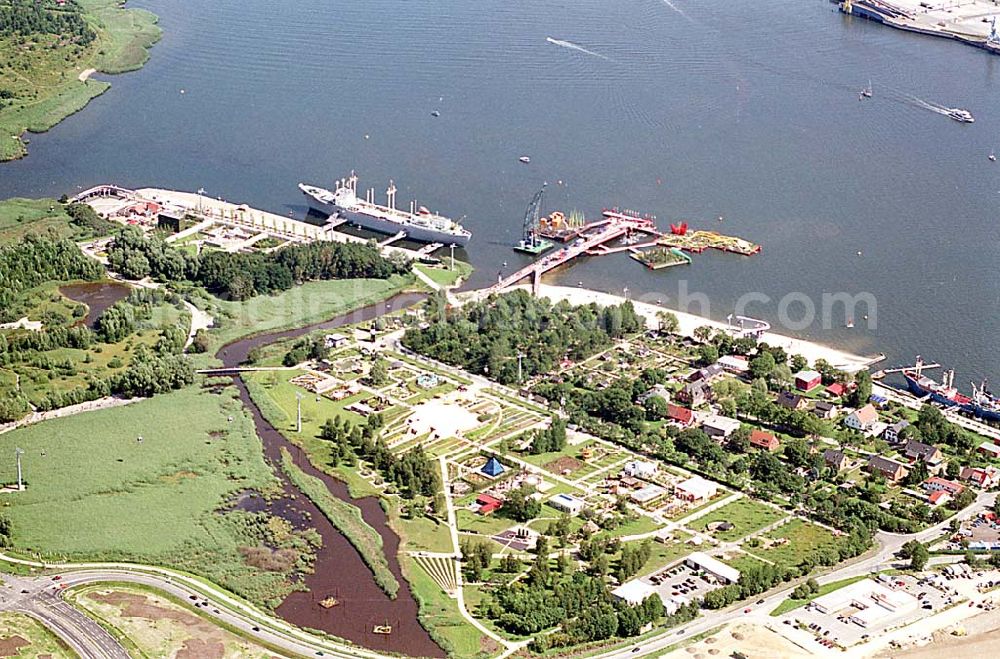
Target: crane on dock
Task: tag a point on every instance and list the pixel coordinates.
(917, 368)
(531, 241)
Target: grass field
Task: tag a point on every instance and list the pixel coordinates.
(23, 636)
(746, 515)
(791, 603)
(422, 534)
(94, 491)
(149, 624)
(803, 538)
(309, 303)
(440, 616)
(347, 519)
(21, 217)
(47, 87)
(444, 275)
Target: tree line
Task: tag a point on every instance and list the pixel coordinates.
(487, 337)
(240, 276)
(28, 17)
(34, 261)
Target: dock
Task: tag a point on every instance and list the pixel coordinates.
(249, 225)
(600, 238)
(972, 22)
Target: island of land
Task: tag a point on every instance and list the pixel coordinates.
(48, 51)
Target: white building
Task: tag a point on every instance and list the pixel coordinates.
(567, 503)
(716, 425)
(718, 569)
(648, 493)
(872, 602)
(633, 592)
(696, 488)
(640, 469)
(862, 419)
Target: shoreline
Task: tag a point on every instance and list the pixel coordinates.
(688, 322)
(124, 37)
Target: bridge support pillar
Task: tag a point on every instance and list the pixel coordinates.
(536, 281)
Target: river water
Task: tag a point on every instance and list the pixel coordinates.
(682, 109)
(339, 570)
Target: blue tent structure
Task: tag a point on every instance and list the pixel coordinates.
(493, 468)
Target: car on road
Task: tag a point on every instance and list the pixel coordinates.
(57, 577)
(760, 601)
(255, 628)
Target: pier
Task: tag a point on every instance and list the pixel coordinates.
(598, 239)
(115, 201)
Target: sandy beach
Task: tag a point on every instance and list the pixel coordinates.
(689, 322)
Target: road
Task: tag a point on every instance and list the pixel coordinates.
(889, 544)
(41, 599)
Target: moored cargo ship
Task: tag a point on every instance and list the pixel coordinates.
(982, 403)
(418, 223)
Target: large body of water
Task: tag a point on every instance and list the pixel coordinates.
(683, 109)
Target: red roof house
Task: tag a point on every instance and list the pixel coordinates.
(764, 440)
(681, 415)
(836, 390)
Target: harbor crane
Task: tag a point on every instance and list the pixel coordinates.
(531, 242)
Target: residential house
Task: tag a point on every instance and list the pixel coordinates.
(719, 426)
(927, 453)
(891, 433)
(989, 449)
(682, 416)
(764, 440)
(824, 409)
(656, 391)
(938, 484)
(862, 419)
(735, 364)
(708, 375)
(335, 340)
(834, 458)
(807, 380)
(836, 390)
(791, 401)
(938, 498)
(695, 393)
(890, 469)
(984, 477)
(567, 503)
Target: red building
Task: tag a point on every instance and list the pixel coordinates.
(681, 415)
(487, 504)
(807, 380)
(764, 440)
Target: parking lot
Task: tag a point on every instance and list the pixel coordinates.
(681, 581)
(837, 628)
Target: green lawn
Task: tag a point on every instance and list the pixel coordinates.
(482, 524)
(422, 534)
(745, 514)
(445, 275)
(439, 614)
(791, 603)
(309, 303)
(96, 492)
(643, 524)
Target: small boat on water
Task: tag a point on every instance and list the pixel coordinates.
(992, 157)
(960, 115)
(850, 323)
(525, 159)
(866, 92)
(435, 113)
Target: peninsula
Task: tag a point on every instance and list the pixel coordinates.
(48, 52)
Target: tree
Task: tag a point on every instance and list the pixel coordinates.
(761, 366)
(378, 376)
(798, 362)
(863, 390)
(520, 505)
(708, 354)
(917, 553)
(703, 333)
(668, 322)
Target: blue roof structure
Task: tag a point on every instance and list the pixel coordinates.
(493, 468)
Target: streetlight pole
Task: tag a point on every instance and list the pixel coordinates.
(298, 421)
(520, 356)
(17, 454)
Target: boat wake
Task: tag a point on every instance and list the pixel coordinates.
(572, 46)
(916, 101)
(676, 9)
